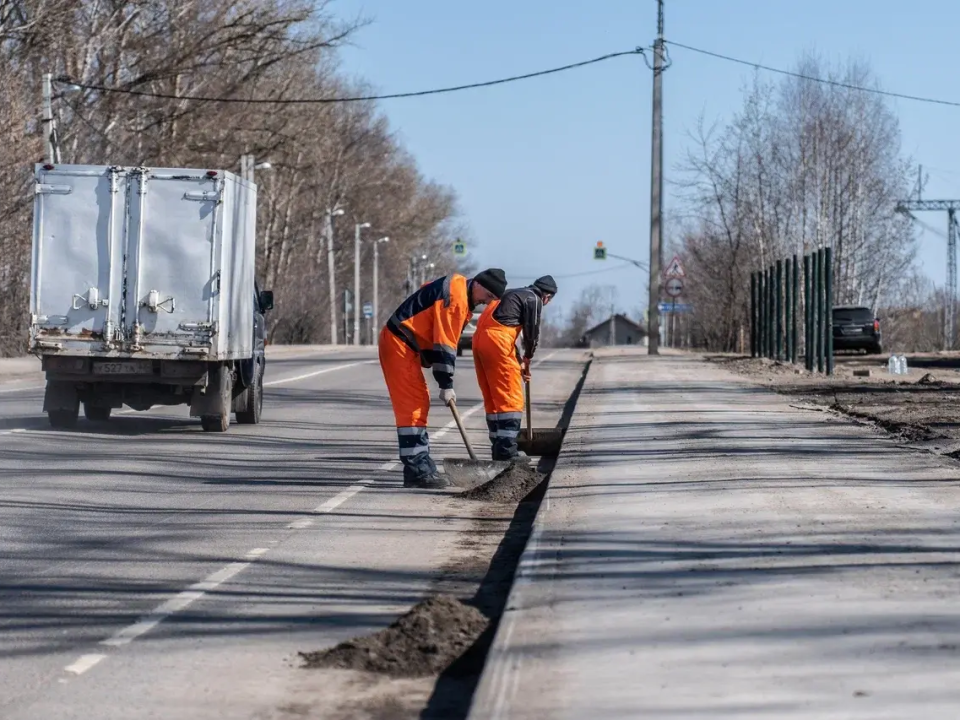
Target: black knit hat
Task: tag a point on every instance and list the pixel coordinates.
(547, 285)
(494, 280)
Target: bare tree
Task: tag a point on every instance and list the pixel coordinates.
(803, 165)
(235, 50)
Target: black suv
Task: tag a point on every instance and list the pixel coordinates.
(855, 328)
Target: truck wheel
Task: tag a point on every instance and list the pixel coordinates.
(221, 381)
(63, 419)
(254, 400)
(96, 413)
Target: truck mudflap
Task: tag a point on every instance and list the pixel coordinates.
(61, 396)
(216, 399)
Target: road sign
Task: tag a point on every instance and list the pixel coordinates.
(368, 310)
(599, 252)
(675, 307)
(675, 268)
(459, 247)
(674, 287)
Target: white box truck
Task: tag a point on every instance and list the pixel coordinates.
(143, 292)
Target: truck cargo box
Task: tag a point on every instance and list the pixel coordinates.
(153, 263)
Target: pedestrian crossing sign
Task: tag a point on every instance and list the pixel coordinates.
(599, 252)
(459, 247)
(674, 269)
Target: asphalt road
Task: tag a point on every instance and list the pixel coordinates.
(149, 569)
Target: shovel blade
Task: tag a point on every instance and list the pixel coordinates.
(468, 474)
(540, 442)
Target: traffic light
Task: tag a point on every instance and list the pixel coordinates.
(599, 252)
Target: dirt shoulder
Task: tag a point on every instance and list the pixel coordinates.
(921, 408)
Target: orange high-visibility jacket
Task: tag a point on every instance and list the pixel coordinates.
(431, 321)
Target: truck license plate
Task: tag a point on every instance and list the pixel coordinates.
(123, 368)
(852, 331)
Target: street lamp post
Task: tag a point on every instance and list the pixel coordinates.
(51, 139)
(356, 282)
(423, 269)
(332, 273)
(376, 288)
(248, 164)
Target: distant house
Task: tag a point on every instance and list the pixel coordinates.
(615, 330)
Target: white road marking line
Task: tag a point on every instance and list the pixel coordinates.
(317, 372)
(300, 524)
(178, 602)
(84, 663)
(339, 499)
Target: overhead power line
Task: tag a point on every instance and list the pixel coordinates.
(63, 80)
(575, 275)
(825, 81)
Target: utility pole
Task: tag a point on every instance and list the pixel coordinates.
(50, 154)
(908, 207)
(356, 281)
(376, 288)
(331, 269)
(656, 189)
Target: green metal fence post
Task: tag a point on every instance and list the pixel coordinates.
(814, 329)
(778, 309)
(759, 275)
(753, 314)
(764, 290)
(795, 305)
(787, 316)
(771, 339)
(821, 321)
(828, 317)
(807, 314)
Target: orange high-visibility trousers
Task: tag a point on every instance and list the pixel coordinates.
(498, 373)
(410, 398)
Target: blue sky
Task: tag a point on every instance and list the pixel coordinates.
(545, 168)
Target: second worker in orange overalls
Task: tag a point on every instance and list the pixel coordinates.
(501, 369)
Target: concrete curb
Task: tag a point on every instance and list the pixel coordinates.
(496, 689)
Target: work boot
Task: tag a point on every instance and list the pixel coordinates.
(433, 481)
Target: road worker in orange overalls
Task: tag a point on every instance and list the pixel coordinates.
(424, 332)
(501, 368)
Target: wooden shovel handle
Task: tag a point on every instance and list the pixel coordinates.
(463, 433)
(526, 391)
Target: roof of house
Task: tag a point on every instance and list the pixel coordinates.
(620, 318)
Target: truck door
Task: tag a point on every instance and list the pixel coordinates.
(76, 284)
(172, 257)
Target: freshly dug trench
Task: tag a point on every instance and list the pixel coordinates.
(425, 641)
(512, 485)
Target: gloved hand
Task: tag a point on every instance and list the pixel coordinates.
(525, 369)
(448, 396)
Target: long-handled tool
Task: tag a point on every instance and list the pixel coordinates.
(470, 473)
(538, 441)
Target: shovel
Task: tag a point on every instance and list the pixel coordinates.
(538, 441)
(468, 474)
